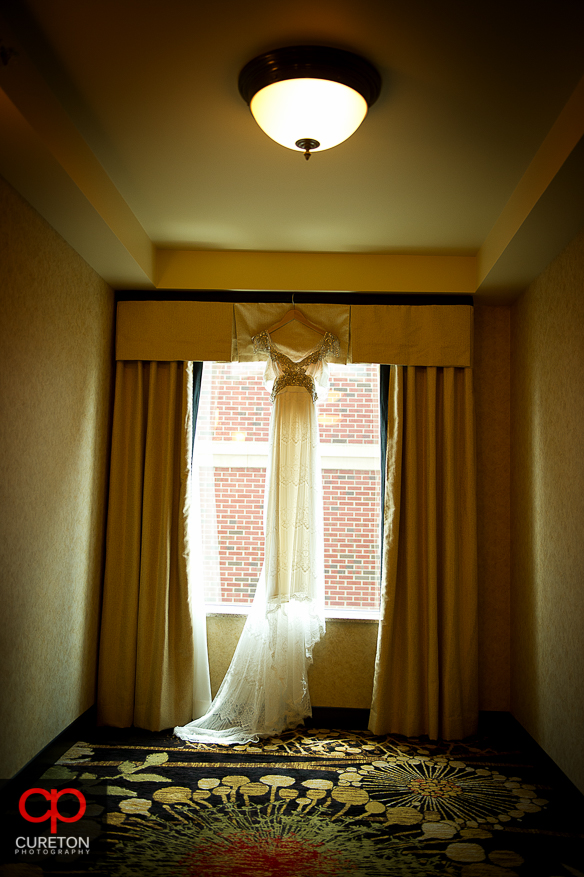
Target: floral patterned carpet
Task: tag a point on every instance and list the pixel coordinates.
(312, 802)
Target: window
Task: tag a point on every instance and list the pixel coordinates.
(230, 458)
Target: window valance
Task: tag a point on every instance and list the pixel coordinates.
(438, 335)
(166, 331)
(428, 335)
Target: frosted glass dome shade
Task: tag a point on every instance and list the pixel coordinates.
(316, 109)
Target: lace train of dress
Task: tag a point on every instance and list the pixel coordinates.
(265, 689)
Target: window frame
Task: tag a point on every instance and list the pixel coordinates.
(343, 613)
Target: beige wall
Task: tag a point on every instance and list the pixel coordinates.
(547, 507)
(492, 402)
(56, 337)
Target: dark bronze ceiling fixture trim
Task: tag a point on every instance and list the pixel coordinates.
(314, 62)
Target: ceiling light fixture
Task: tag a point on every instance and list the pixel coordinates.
(309, 97)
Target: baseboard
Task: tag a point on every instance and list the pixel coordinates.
(343, 718)
(52, 751)
(499, 723)
(508, 731)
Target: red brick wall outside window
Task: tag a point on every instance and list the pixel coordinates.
(232, 430)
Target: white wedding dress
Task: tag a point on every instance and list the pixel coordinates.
(265, 689)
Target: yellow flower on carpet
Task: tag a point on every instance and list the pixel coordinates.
(440, 830)
(445, 789)
(275, 781)
(465, 852)
(136, 805)
(77, 754)
(208, 783)
(403, 815)
(350, 797)
(173, 795)
(506, 858)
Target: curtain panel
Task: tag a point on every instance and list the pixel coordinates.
(153, 666)
(426, 677)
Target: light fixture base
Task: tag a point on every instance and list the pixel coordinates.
(306, 143)
(316, 62)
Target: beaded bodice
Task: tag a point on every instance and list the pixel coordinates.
(289, 373)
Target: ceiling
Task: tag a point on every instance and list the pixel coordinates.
(121, 122)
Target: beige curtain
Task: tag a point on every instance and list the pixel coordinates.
(153, 670)
(426, 667)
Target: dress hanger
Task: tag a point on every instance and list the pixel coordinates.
(294, 314)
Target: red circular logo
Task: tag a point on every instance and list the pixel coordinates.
(53, 810)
